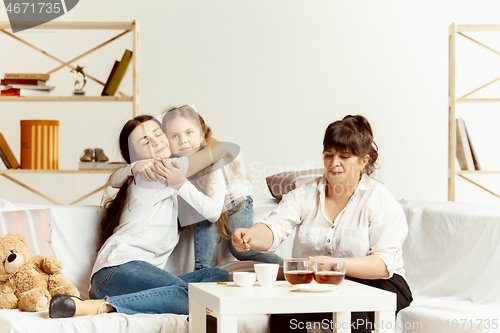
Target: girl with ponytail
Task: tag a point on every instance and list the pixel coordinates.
(188, 133)
(178, 123)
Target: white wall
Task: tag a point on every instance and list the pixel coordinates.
(269, 75)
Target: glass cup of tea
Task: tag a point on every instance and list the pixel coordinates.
(329, 271)
(299, 271)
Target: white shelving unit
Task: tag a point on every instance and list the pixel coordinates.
(461, 30)
(127, 27)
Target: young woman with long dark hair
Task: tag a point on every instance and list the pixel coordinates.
(140, 231)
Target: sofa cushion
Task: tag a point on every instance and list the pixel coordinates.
(75, 237)
(34, 224)
(281, 183)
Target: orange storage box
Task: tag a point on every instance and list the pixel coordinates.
(40, 144)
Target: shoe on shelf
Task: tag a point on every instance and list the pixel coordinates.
(62, 306)
(88, 155)
(99, 155)
(211, 323)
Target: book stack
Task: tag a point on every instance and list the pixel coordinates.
(466, 155)
(25, 84)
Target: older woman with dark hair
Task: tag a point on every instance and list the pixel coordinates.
(347, 215)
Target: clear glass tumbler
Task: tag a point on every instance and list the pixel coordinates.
(329, 271)
(299, 271)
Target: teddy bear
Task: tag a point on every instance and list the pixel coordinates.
(28, 283)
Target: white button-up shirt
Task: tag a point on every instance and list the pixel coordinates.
(148, 225)
(372, 223)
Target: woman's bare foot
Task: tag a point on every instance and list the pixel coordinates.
(91, 307)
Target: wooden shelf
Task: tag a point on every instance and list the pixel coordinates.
(65, 99)
(478, 27)
(132, 27)
(79, 25)
(20, 171)
(463, 172)
(461, 100)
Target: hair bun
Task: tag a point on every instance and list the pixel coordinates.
(362, 122)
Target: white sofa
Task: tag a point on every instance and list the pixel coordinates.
(452, 262)
(74, 240)
(451, 256)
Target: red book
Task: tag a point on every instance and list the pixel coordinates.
(11, 92)
(24, 92)
(34, 82)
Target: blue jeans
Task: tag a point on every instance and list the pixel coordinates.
(139, 287)
(241, 218)
(204, 243)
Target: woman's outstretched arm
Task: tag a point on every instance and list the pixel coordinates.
(258, 237)
(273, 230)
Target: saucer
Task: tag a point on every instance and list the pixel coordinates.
(314, 288)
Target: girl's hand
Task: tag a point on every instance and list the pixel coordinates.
(146, 168)
(241, 239)
(174, 174)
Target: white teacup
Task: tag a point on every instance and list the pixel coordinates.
(266, 274)
(244, 279)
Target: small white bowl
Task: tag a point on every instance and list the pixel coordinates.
(244, 279)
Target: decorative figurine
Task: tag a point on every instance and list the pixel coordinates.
(80, 78)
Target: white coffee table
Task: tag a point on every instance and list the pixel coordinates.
(229, 301)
